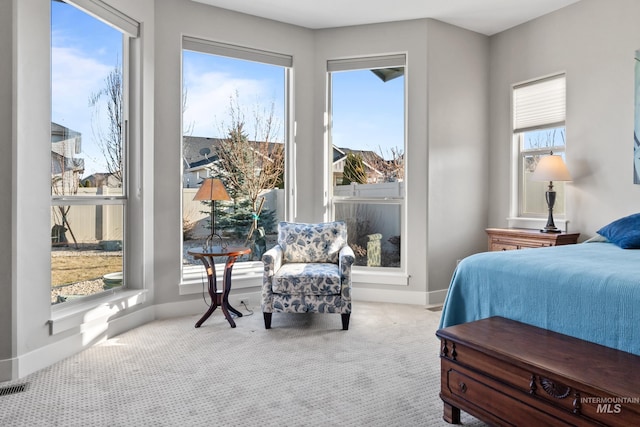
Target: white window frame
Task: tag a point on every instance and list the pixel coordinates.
(536, 104)
(104, 305)
(249, 273)
(364, 274)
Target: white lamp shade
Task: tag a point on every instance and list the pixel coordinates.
(551, 168)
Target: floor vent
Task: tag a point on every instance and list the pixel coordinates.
(12, 389)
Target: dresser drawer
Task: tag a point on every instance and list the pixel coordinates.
(501, 246)
(474, 391)
(508, 239)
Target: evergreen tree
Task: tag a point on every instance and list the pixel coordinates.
(354, 170)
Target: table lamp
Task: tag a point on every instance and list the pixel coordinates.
(212, 189)
(551, 168)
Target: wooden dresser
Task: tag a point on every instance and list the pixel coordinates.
(508, 373)
(507, 239)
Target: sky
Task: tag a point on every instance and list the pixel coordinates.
(368, 114)
(211, 82)
(83, 52)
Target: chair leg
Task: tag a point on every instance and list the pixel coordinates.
(267, 320)
(345, 321)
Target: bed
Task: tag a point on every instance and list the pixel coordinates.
(589, 290)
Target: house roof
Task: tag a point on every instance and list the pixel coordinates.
(199, 151)
(368, 156)
(194, 150)
(61, 133)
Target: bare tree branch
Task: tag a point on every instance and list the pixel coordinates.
(110, 140)
(250, 167)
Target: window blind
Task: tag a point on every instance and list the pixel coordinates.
(367, 63)
(109, 15)
(539, 104)
(238, 52)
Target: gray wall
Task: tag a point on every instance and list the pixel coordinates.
(7, 314)
(593, 41)
(458, 77)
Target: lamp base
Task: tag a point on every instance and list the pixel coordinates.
(551, 230)
(208, 244)
(551, 200)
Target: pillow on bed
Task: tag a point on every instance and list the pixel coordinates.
(597, 239)
(624, 232)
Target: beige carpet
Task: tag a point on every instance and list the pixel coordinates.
(305, 371)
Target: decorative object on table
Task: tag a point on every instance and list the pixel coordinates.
(551, 168)
(212, 189)
(309, 270)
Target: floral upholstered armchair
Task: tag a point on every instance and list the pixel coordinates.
(309, 270)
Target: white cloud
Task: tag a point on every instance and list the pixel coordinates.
(74, 77)
(208, 98)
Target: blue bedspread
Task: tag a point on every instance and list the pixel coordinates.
(590, 291)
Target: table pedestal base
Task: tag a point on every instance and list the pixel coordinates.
(219, 298)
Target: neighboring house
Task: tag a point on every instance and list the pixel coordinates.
(369, 159)
(198, 155)
(65, 144)
(200, 152)
(101, 179)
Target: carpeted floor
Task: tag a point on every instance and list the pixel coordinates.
(305, 371)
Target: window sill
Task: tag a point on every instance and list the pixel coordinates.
(249, 275)
(74, 314)
(379, 276)
(244, 275)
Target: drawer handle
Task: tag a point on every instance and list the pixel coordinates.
(463, 387)
(557, 390)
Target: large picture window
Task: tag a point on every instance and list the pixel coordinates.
(367, 144)
(538, 129)
(235, 129)
(89, 146)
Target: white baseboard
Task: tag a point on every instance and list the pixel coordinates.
(198, 305)
(391, 296)
(437, 297)
(8, 369)
(87, 334)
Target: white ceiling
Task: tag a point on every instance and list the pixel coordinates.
(483, 16)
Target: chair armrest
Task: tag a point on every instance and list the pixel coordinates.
(272, 260)
(345, 261)
(346, 257)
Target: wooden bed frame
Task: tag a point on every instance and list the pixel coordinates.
(509, 373)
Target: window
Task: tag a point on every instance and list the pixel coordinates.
(539, 129)
(235, 128)
(367, 146)
(89, 147)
